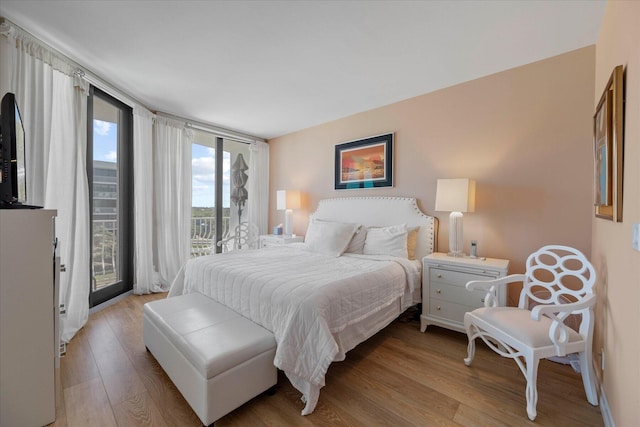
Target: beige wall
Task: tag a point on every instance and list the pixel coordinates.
(618, 320)
(524, 135)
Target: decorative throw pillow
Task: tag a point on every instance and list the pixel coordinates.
(330, 238)
(412, 241)
(357, 241)
(390, 240)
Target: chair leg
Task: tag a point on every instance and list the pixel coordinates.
(471, 348)
(532, 387)
(588, 377)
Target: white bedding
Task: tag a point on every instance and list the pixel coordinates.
(304, 298)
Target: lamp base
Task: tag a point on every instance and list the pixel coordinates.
(457, 254)
(288, 222)
(455, 235)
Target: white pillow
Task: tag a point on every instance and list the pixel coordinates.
(330, 238)
(356, 245)
(390, 240)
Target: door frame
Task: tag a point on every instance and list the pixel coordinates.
(125, 193)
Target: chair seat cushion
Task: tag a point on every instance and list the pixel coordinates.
(517, 323)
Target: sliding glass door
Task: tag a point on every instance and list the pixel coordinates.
(213, 211)
(109, 160)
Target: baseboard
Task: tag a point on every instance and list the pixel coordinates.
(112, 301)
(604, 409)
(602, 398)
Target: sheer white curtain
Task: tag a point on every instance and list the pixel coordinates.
(172, 189)
(54, 107)
(145, 279)
(67, 190)
(258, 186)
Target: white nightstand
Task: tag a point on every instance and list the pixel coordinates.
(445, 299)
(273, 240)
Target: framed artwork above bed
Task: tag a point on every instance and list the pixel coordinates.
(364, 163)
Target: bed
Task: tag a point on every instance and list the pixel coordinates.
(318, 300)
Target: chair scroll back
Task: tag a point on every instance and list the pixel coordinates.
(246, 236)
(556, 275)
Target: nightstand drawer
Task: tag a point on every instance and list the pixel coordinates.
(448, 310)
(457, 294)
(270, 240)
(457, 277)
(445, 297)
(269, 243)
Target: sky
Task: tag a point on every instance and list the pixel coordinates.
(203, 162)
(105, 141)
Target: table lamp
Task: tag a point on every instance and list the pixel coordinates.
(288, 200)
(455, 196)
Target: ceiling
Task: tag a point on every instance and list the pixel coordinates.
(268, 68)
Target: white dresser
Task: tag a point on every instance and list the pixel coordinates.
(445, 299)
(28, 313)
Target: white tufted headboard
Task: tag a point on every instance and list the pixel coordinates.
(383, 211)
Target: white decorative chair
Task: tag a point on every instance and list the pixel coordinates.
(559, 280)
(244, 236)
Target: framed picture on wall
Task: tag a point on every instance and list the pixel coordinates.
(602, 143)
(364, 163)
(608, 144)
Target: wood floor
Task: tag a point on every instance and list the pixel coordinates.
(400, 377)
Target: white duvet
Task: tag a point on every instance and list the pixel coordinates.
(303, 298)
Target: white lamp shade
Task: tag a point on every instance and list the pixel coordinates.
(456, 195)
(288, 199)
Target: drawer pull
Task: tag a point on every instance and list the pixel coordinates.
(438, 291)
(439, 276)
(438, 308)
(482, 300)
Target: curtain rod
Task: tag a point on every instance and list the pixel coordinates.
(108, 88)
(216, 130)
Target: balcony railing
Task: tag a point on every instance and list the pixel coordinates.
(105, 252)
(203, 235)
(105, 246)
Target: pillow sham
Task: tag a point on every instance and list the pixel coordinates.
(390, 240)
(357, 241)
(330, 238)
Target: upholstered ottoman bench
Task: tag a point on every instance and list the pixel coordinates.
(216, 358)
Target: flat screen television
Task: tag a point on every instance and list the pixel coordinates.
(13, 170)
